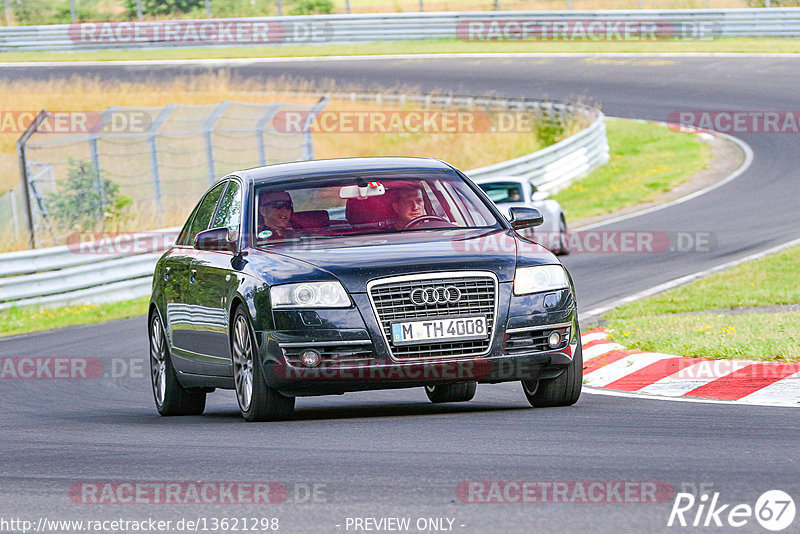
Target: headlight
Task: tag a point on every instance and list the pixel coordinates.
(542, 278)
(309, 295)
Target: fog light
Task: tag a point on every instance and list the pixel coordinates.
(553, 339)
(310, 358)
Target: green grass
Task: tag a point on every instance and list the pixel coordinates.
(454, 46)
(771, 337)
(33, 319)
(661, 323)
(646, 160)
(768, 281)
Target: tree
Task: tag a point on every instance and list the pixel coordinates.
(312, 7)
(85, 199)
(162, 7)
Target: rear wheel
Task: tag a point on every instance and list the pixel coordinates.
(563, 390)
(460, 392)
(257, 401)
(171, 398)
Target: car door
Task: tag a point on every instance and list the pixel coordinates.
(174, 274)
(217, 274)
(182, 313)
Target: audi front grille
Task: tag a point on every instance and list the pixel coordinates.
(391, 301)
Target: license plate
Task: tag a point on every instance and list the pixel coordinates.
(435, 329)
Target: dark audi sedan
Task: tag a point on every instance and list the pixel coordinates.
(324, 277)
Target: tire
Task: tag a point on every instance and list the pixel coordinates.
(170, 397)
(563, 390)
(461, 392)
(563, 240)
(257, 401)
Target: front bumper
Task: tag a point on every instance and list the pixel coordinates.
(354, 360)
(333, 379)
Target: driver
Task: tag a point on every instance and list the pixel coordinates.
(275, 211)
(407, 204)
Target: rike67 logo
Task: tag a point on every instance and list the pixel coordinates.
(774, 510)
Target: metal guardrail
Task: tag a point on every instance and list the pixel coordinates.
(73, 274)
(80, 272)
(320, 29)
(554, 167)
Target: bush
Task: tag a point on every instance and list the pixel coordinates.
(549, 129)
(240, 8)
(312, 7)
(32, 11)
(163, 7)
(35, 12)
(78, 205)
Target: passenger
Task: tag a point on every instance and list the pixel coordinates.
(407, 204)
(275, 210)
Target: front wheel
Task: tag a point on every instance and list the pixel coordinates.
(461, 392)
(170, 396)
(563, 238)
(257, 401)
(563, 390)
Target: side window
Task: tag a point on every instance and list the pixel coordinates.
(204, 212)
(183, 237)
(229, 212)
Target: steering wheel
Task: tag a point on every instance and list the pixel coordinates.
(426, 219)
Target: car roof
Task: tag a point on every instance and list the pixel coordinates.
(327, 167)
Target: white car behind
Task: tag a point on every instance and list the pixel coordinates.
(512, 191)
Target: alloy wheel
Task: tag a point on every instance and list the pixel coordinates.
(158, 360)
(243, 363)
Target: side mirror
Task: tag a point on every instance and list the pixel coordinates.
(214, 240)
(522, 218)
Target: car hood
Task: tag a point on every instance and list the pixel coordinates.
(359, 259)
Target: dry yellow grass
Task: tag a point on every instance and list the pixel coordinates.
(465, 150)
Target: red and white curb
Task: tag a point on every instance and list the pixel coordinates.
(611, 366)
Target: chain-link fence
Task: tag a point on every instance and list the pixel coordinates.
(153, 161)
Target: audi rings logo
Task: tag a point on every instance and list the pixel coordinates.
(423, 296)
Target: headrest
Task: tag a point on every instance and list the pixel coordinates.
(367, 210)
(311, 219)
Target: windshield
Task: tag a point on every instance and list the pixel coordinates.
(504, 192)
(367, 204)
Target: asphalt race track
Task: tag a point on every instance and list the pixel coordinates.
(392, 454)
